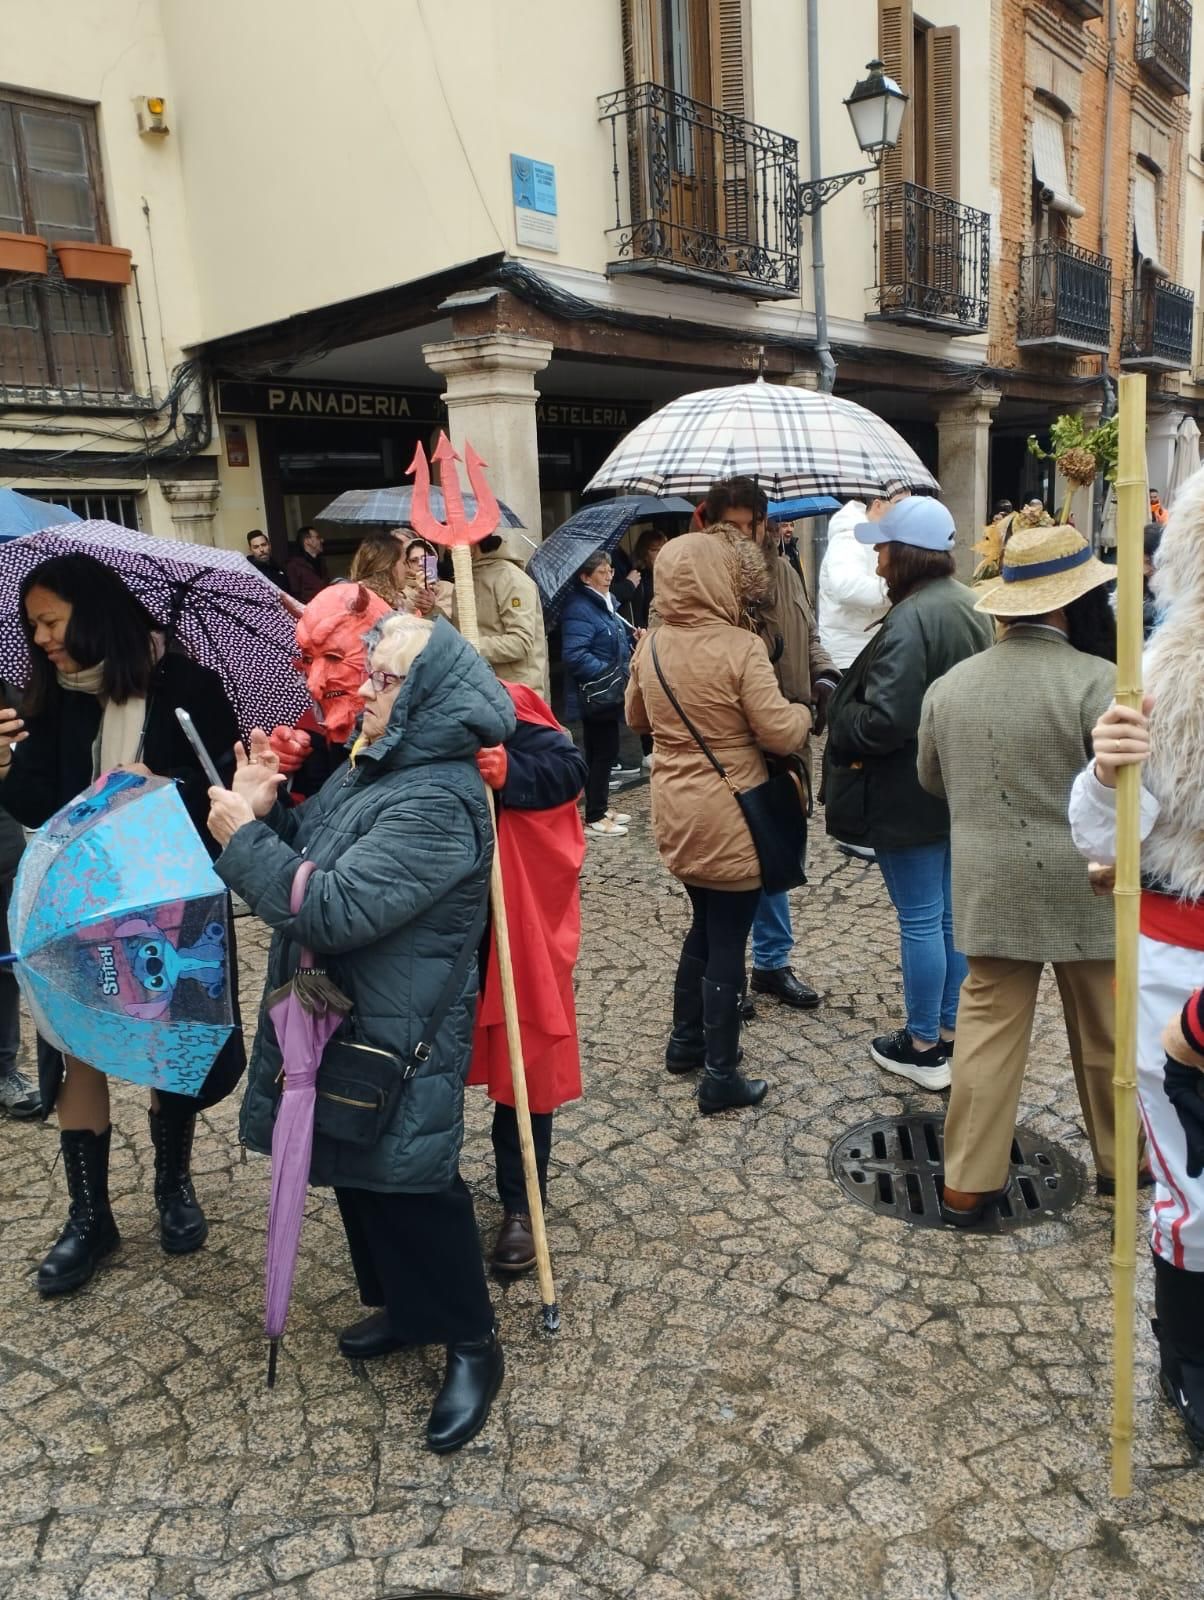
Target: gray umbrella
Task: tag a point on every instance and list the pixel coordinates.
(598, 527)
(390, 508)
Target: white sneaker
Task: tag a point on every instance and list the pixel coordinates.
(19, 1097)
(606, 826)
(646, 763)
(620, 817)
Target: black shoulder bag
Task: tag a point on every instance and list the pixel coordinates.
(359, 1085)
(775, 811)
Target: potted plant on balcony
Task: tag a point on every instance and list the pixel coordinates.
(94, 263)
(23, 252)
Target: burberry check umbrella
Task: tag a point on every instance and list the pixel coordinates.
(792, 441)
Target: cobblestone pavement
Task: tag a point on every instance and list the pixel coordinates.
(761, 1390)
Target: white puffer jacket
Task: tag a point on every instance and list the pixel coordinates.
(852, 597)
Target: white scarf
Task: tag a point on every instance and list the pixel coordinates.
(119, 741)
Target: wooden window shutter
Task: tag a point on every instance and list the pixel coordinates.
(896, 27)
(731, 92)
(944, 110)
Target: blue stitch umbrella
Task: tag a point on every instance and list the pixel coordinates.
(118, 925)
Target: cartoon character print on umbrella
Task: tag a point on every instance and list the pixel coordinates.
(159, 966)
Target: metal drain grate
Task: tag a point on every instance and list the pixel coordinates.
(895, 1165)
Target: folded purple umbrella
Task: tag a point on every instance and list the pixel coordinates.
(211, 603)
(305, 1013)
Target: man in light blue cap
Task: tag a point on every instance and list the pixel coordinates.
(917, 520)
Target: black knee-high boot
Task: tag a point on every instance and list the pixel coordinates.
(687, 1044)
(722, 1085)
(1179, 1326)
(182, 1225)
(90, 1233)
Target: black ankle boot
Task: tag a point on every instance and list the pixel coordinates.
(687, 1046)
(474, 1375)
(722, 1085)
(90, 1233)
(1179, 1328)
(182, 1225)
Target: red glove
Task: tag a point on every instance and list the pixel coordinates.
(291, 746)
(492, 764)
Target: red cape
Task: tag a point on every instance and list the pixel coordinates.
(541, 855)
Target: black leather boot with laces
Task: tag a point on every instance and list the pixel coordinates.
(182, 1225)
(90, 1233)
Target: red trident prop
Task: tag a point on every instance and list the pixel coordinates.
(460, 533)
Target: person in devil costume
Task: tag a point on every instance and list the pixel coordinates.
(1164, 737)
(536, 777)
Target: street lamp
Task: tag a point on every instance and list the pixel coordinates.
(875, 108)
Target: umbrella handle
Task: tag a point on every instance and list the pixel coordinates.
(300, 878)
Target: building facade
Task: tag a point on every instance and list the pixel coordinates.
(533, 223)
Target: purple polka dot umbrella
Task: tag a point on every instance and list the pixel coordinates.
(210, 603)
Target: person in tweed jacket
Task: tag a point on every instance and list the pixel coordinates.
(1002, 736)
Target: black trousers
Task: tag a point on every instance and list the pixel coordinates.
(600, 736)
(419, 1256)
(508, 1156)
(718, 935)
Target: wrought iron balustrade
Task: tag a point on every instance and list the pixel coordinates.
(1158, 326)
(1164, 42)
(63, 345)
(1065, 297)
(933, 260)
(701, 195)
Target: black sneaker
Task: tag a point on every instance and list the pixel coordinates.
(1182, 1383)
(894, 1052)
(620, 772)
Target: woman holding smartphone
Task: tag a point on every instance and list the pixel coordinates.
(102, 695)
(424, 592)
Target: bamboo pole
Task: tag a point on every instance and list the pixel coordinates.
(466, 613)
(1132, 513)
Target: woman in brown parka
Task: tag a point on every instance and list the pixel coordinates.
(719, 672)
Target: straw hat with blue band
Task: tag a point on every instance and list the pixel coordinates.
(1043, 570)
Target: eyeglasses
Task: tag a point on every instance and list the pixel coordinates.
(382, 682)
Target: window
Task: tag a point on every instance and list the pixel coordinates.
(60, 342)
(1147, 208)
(1053, 201)
(94, 505)
(925, 62)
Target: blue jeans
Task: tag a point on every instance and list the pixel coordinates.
(919, 884)
(772, 933)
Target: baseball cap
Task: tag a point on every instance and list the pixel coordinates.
(918, 520)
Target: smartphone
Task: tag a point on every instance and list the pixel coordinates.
(430, 565)
(202, 755)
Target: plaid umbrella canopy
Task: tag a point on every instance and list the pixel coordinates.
(211, 602)
(792, 441)
(390, 508)
(559, 558)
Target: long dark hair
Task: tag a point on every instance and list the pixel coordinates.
(107, 624)
(1090, 623)
(908, 567)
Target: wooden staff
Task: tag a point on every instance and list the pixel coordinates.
(466, 613)
(1132, 500)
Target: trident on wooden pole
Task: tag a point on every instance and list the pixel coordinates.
(1132, 500)
(460, 532)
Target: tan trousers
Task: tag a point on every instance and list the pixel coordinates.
(994, 1026)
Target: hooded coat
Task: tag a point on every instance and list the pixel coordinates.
(719, 671)
(402, 842)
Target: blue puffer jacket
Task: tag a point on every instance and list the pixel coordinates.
(592, 641)
(403, 843)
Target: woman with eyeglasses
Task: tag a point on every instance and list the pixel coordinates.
(401, 843)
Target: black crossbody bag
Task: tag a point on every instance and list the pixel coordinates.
(359, 1085)
(775, 811)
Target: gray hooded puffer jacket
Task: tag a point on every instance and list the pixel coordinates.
(403, 846)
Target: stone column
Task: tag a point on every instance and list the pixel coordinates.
(490, 398)
(193, 505)
(963, 424)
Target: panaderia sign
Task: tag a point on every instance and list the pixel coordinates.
(317, 402)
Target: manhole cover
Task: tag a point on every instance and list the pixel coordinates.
(895, 1165)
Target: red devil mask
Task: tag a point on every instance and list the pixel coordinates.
(330, 640)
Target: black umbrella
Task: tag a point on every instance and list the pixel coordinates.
(598, 527)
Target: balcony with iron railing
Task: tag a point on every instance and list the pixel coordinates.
(1163, 47)
(933, 260)
(701, 196)
(1065, 298)
(64, 345)
(1158, 326)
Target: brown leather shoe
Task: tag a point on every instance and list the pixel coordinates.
(964, 1209)
(515, 1247)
